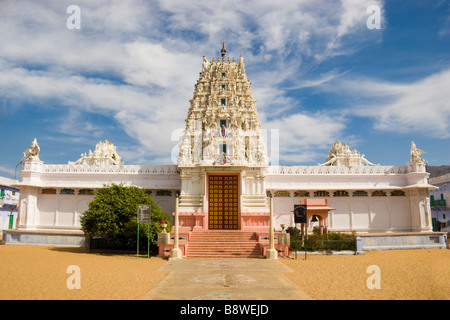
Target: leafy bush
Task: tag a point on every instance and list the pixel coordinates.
(328, 241)
(113, 215)
(296, 239)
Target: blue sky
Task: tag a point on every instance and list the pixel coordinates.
(318, 73)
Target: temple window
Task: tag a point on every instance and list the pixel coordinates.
(67, 191)
(340, 193)
(301, 194)
(86, 191)
(223, 102)
(164, 193)
(48, 191)
(223, 87)
(282, 193)
(321, 194)
(223, 74)
(360, 193)
(379, 193)
(398, 193)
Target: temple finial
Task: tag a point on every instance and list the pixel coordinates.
(223, 51)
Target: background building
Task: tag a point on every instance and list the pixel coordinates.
(439, 199)
(9, 201)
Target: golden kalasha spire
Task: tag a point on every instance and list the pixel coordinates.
(223, 51)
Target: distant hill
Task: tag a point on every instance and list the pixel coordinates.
(436, 171)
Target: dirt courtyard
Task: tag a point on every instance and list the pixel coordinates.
(403, 275)
(39, 272)
(35, 272)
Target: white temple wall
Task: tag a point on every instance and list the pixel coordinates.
(282, 211)
(61, 211)
(360, 214)
(410, 212)
(363, 214)
(48, 206)
(420, 210)
(167, 203)
(340, 219)
(380, 215)
(28, 214)
(66, 213)
(400, 214)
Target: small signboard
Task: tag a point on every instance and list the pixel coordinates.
(144, 213)
(300, 213)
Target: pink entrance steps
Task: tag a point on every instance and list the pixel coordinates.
(223, 244)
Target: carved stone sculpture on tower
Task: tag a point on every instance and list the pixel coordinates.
(340, 155)
(224, 107)
(32, 152)
(416, 153)
(104, 154)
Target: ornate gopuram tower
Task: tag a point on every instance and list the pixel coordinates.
(223, 159)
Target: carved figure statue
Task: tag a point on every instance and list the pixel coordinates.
(331, 160)
(340, 155)
(104, 154)
(205, 64)
(416, 153)
(364, 160)
(223, 159)
(223, 131)
(32, 152)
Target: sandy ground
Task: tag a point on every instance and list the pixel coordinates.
(404, 275)
(34, 272)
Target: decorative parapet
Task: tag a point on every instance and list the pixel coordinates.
(415, 167)
(411, 176)
(108, 169)
(33, 165)
(38, 166)
(95, 176)
(344, 170)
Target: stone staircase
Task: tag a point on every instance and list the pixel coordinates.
(223, 244)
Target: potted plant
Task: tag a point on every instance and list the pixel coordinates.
(163, 225)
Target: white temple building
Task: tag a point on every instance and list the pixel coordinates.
(224, 178)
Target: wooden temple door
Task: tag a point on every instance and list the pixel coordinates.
(223, 202)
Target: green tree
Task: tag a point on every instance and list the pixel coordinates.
(113, 214)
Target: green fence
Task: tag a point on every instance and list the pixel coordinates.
(438, 203)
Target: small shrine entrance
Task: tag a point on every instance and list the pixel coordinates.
(223, 202)
(317, 212)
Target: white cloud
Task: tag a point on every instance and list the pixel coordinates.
(301, 133)
(319, 81)
(138, 62)
(419, 107)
